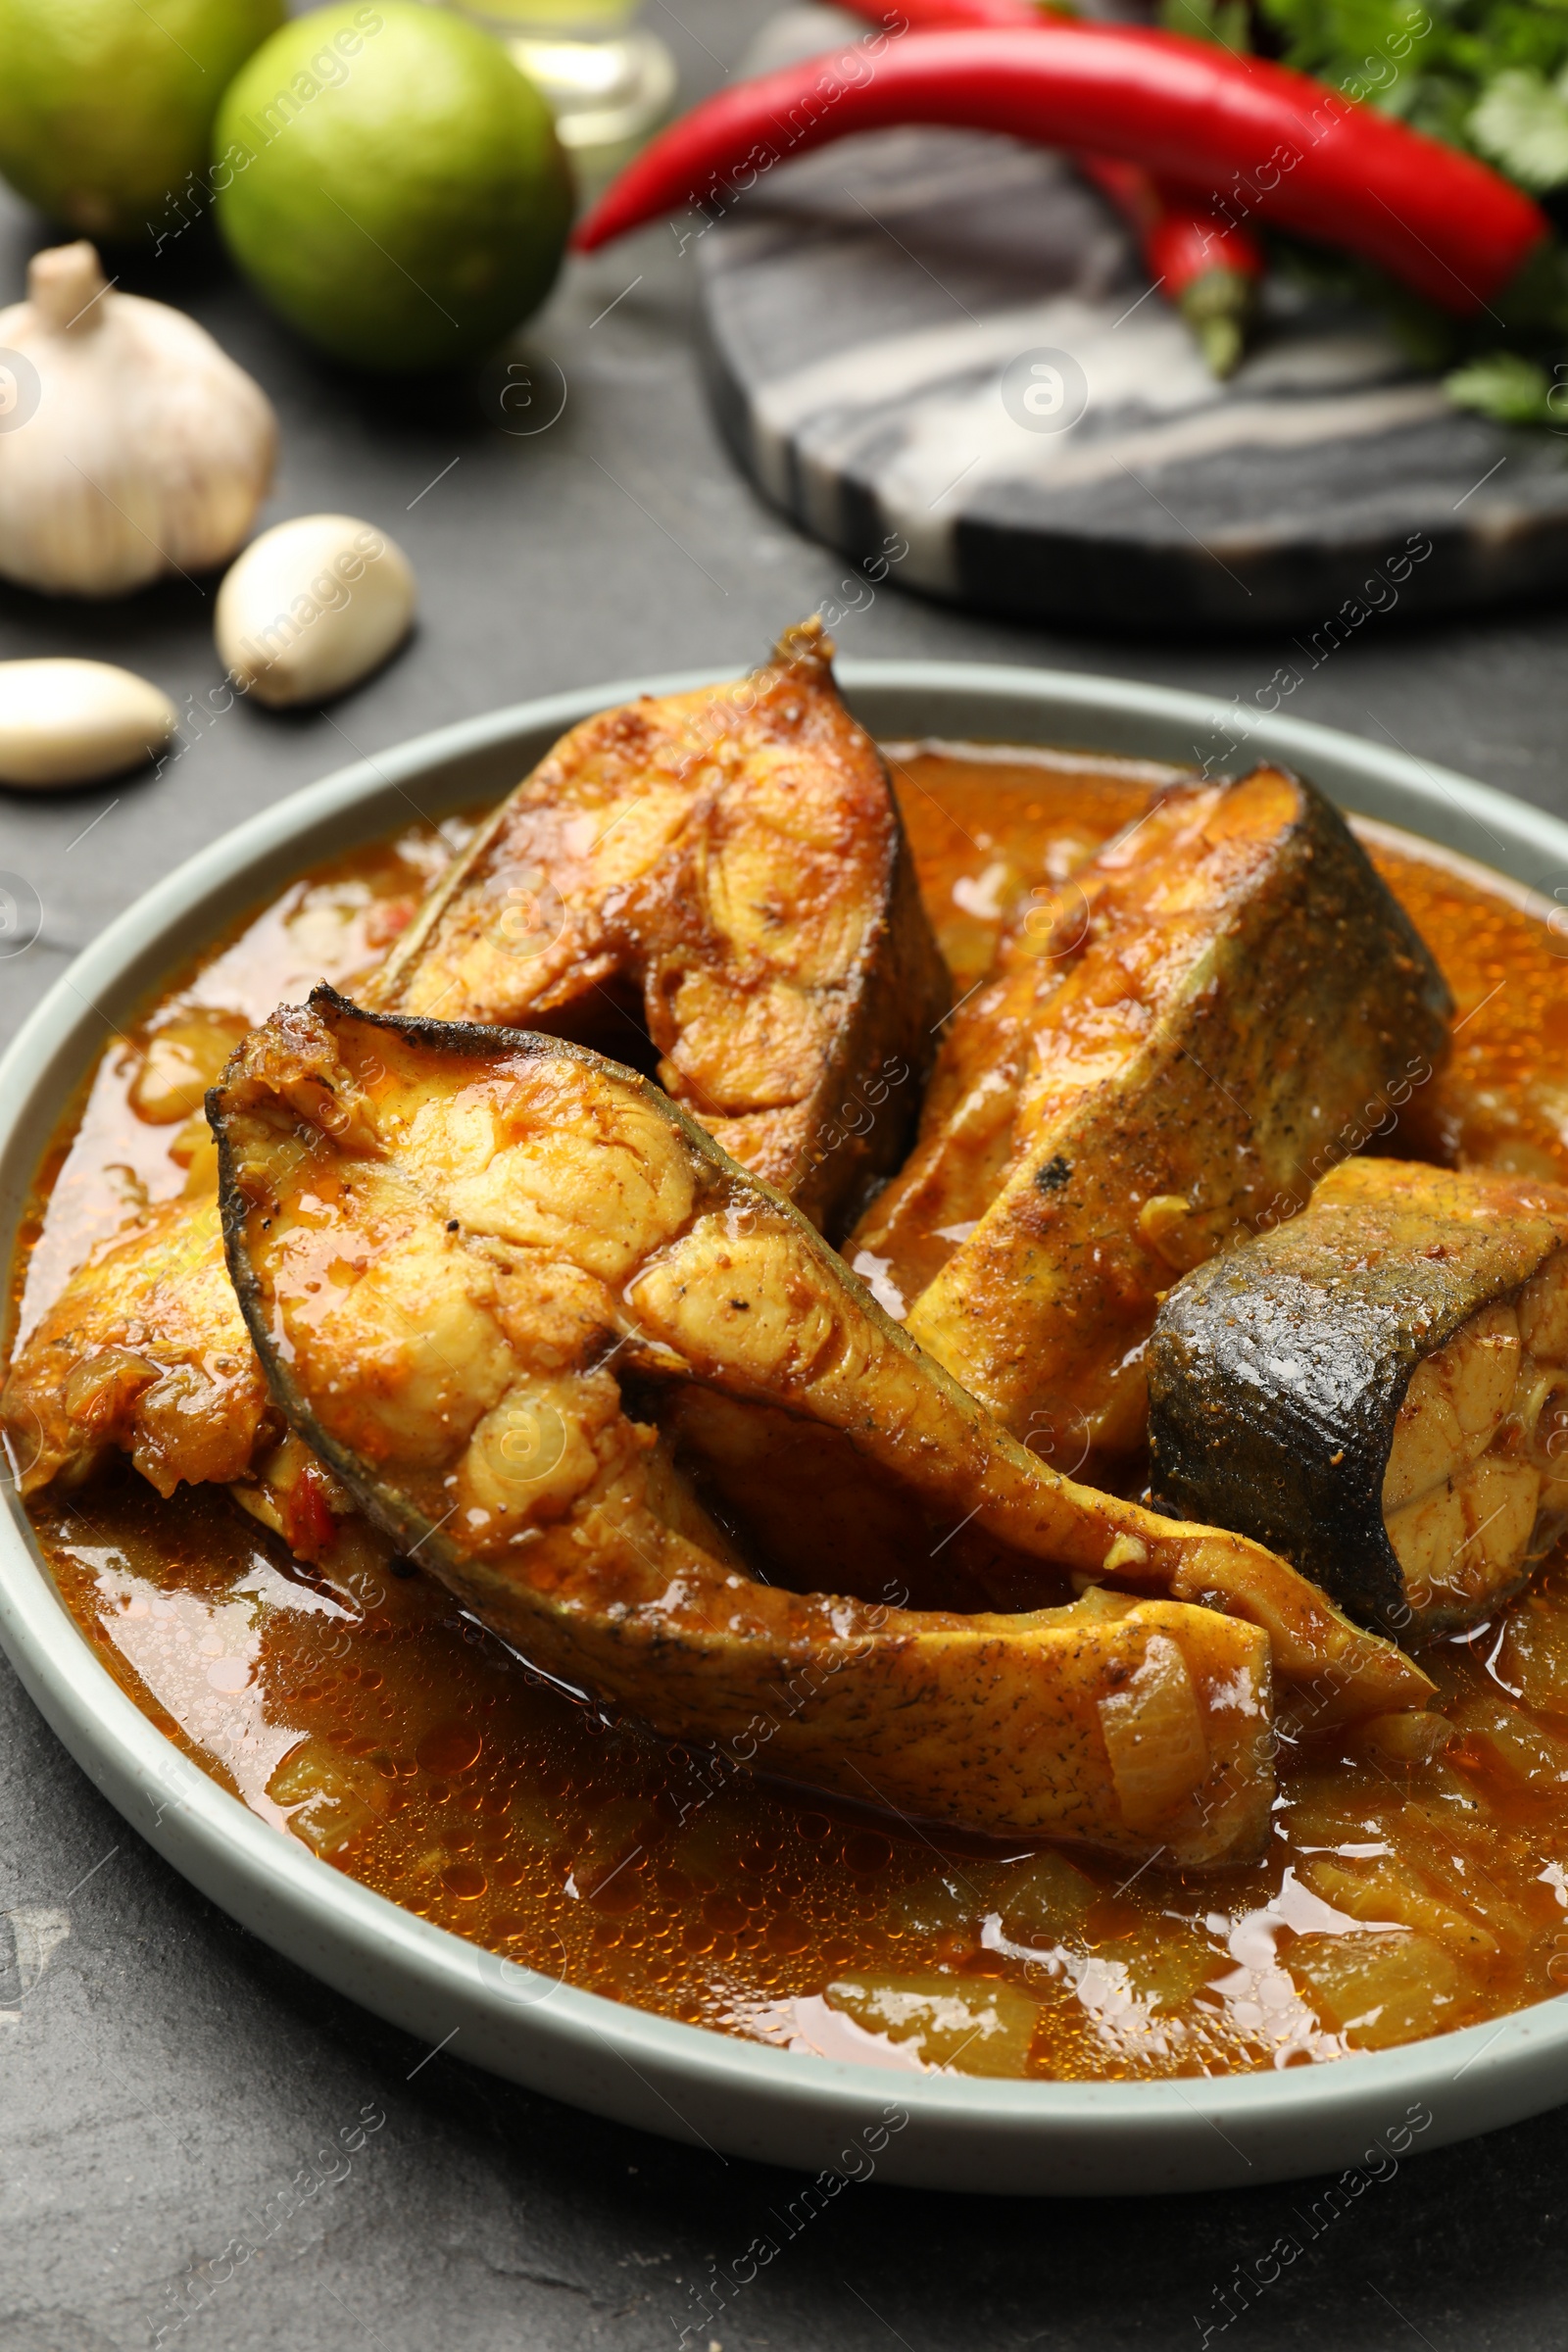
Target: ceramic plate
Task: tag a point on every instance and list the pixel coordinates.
(957, 2132)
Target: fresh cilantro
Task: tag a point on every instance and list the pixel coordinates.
(1433, 64)
(1490, 76)
(1521, 123)
(1504, 385)
(1226, 22)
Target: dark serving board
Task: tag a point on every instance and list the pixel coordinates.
(873, 314)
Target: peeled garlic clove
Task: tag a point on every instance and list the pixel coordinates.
(312, 607)
(129, 444)
(71, 723)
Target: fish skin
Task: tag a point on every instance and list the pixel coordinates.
(1237, 992)
(736, 858)
(876, 991)
(1277, 1372)
(500, 1233)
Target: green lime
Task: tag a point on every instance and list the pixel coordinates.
(106, 108)
(392, 184)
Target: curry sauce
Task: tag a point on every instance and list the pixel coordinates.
(406, 1745)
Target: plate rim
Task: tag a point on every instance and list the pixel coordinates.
(304, 1906)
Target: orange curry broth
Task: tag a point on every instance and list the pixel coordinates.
(409, 1750)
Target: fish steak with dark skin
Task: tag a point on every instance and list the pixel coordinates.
(1379, 1390)
(529, 1313)
(727, 870)
(727, 867)
(1169, 1050)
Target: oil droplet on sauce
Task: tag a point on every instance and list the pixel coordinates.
(451, 1749)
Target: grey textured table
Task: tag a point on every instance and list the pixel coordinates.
(164, 2076)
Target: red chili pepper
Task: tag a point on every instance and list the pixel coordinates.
(1205, 264)
(1264, 138)
(308, 1526)
(942, 15)
(1208, 266)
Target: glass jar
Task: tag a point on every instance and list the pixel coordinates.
(610, 81)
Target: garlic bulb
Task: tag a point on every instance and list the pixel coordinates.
(129, 444)
(72, 722)
(312, 607)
